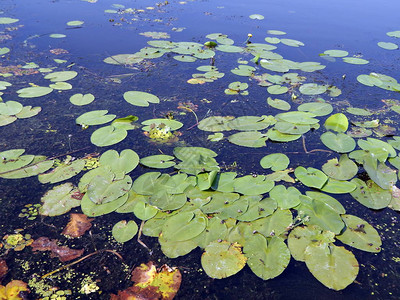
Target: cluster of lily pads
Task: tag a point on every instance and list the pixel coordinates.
(236, 220)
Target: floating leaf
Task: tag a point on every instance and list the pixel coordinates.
(335, 267)
(277, 136)
(80, 99)
(388, 45)
(10, 108)
(275, 161)
(104, 189)
(215, 123)
(277, 89)
(172, 124)
(215, 137)
(63, 172)
(278, 104)
(222, 259)
(61, 76)
(267, 258)
(276, 32)
(339, 142)
(317, 108)
(75, 23)
(275, 224)
(312, 89)
(92, 209)
(184, 226)
(327, 200)
(337, 122)
(359, 234)
(311, 177)
(286, 198)
(292, 43)
(77, 226)
(59, 200)
(108, 135)
(355, 60)
(158, 161)
(62, 252)
(124, 231)
(256, 17)
(248, 123)
(395, 34)
(57, 35)
(140, 98)
(334, 186)
(344, 169)
(28, 111)
(253, 139)
(34, 91)
(336, 53)
(358, 111)
(297, 117)
(7, 20)
(61, 86)
(94, 117)
(370, 194)
(252, 185)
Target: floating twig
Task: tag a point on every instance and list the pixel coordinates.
(314, 150)
(140, 241)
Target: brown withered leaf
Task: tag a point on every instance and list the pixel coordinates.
(62, 252)
(78, 224)
(152, 284)
(3, 269)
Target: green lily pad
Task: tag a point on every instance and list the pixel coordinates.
(272, 40)
(380, 149)
(335, 267)
(276, 32)
(215, 123)
(369, 80)
(7, 20)
(75, 23)
(61, 86)
(388, 45)
(278, 104)
(140, 98)
(184, 226)
(92, 209)
(216, 229)
(34, 91)
(216, 137)
(336, 53)
(248, 123)
(158, 161)
(258, 208)
(337, 122)
(267, 258)
(10, 108)
(275, 224)
(355, 60)
(224, 182)
(80, 99)
(380, 173)
(173, 249)
(311, 177)
(256, 17)
(244, 70)
(57, 35)
(38, 165)
(321, 214)
(358, 111)
(317, 108)
(312, 89)
(94, 117)
(340, 142)
(5, 120)
(124, 231)
(275, 161)
(11, 160)
(289, 128)
(327, 200)
(253, 185)
(63, 172)
(277, 89)
(298, 117)
(28, 111)
(253, 139)
(395, 34)
(108, 135)
(183, 58)
(286, 198)
(334, 186)
(61, 76)
(222, 259)
(370, 194)
(344, 169)
(143, 210)
(277, 136)
(59, 200)
(359, 234)
(303, 236)
(120, 164)
(292, 43)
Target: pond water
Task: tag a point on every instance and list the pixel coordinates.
(192, 86)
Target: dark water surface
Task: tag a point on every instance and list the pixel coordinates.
(354, 26)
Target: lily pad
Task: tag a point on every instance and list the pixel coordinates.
(355, 60)
(336, 53)
(172, 124)
(92, 209)
(267, 258)
(340, 142)
(28, 111)
(344, 169)
(286, 198)
(63, 172)
(61, 76)
(124, 231)
(334, 186)
(359, 234)
(120, 164)
(312, 89)
(311, 177)
(297, 117)
(278, 104)
(317, 108)
(59, 200)
(248, 123)
(370, 194)
(222, 259)
(75, 23)
(158, 161)
(253, 185)
(140, 98)
(277, 136)
(7, 20)
(34, 91)
(215, 123)
(108, 135)
(337, 122)
(275, 161)
(292, 43)
(256, 17)
(184, 226)
(80, 99)
(253, 139)
(335, 267)
(277, 89)
(10, 108)
(388, 45)
(94, 117)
